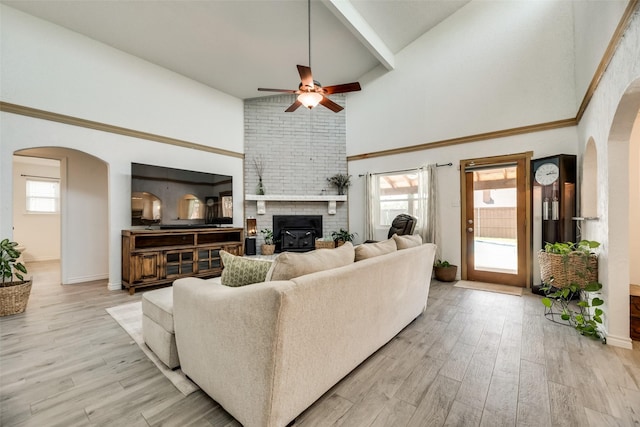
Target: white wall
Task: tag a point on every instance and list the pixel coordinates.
(490, 66)
(38, 233)
(47, 67)
(617, 96)
(541, 143)
(594, 23)
(634, 203)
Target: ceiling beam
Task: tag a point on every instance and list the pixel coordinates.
(350, 18)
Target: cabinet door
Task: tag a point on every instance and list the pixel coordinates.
(179, 263)
(234, 249)
(209, 260)
(145, 267)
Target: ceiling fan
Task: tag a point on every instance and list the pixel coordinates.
(310, 92)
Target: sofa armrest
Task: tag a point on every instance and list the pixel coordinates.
(226, 340)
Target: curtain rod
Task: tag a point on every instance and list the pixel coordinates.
(405, 170)
(38, 176)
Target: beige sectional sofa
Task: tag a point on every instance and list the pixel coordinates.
(267, 351)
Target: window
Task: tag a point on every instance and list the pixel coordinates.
(43, 196)
(398, 194)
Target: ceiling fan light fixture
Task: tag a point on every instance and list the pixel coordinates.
(310, 99)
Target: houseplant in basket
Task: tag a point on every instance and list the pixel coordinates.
(269, 247)
(445, 271)
(569, 274)
(14, 290)
(342, 236)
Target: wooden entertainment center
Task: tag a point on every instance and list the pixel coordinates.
(158, 257)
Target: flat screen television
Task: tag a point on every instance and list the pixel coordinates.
(176, 198)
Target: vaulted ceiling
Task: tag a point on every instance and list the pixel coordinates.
(236, 46)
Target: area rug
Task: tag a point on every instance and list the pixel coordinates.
(129, 316)
(489, 287)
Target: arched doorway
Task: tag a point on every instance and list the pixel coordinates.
(621, 206)
(84, 221)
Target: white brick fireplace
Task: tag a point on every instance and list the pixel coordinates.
(299, 151)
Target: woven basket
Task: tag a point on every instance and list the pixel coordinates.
(267, 249)
(14, 297)
(323, 244)
(575, 267)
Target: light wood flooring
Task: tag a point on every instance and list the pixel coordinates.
(473, 359)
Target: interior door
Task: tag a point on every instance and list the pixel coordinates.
(496, 236)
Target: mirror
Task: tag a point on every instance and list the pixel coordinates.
(146, 209)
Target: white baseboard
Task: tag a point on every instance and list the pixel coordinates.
(114, 286)
(82, 279)
(40, 259)
(624, 342)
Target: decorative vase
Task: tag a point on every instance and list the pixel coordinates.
(260, 188)
(341, 191)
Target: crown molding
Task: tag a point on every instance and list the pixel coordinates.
(103, 127)
(466, 139)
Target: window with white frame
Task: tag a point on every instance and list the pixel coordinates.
(42, 195)
(398, 194)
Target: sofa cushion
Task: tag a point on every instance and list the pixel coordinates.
(240, 271)
(158, 306)
(407, 241)
(288, 265)
(370, 250)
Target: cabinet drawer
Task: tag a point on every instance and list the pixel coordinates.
(634, 328)
(634, 307)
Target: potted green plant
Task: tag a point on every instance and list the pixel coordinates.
(445, 271)
(568, 262)
(340, 180)
(569, 274)
(269, 247)
(14, 290)
(342, 236)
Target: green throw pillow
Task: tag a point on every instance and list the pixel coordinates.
(240, 271)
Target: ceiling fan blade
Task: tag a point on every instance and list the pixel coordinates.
(305, 76)
(293, 107)
(277, 90)
(347, 87)
(331, 105)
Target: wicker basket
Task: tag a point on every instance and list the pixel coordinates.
(324, 244)
(14, 297)
(575, 267)
(267, 249)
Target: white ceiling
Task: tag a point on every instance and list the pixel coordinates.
(237, 46)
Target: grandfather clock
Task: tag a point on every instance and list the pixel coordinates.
(554, 179)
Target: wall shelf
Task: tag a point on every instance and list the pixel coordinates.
(262, 199)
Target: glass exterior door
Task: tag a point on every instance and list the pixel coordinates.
(495, 231)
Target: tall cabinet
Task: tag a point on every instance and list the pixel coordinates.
(554, 204)
(158, 257)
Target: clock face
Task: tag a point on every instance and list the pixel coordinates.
(210, 202)
(547, 174)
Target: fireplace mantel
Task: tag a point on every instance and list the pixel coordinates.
(262, 199)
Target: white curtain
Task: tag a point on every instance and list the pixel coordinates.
(373, 201)
(427, 204)
(427, 225)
